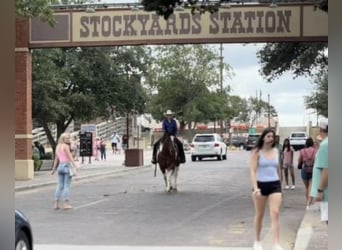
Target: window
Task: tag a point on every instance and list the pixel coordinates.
(204, 138)
(296, 135)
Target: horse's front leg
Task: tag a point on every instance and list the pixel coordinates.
(165, 180)
(168, 174)
(175, 176)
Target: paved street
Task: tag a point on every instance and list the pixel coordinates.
(130, 210)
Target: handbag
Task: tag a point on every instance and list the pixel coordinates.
(72, 170)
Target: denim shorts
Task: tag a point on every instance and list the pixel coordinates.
(306, 176)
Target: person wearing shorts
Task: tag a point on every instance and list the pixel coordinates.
(319, 187)
(287, 155)
(305, 154)
(265, 178)
(115, 141)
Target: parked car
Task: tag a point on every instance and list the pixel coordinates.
(297, 140)
(238, 141)
(251, 141)
(23, 232)
(208, 145)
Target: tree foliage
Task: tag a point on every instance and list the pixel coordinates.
(318, 100)
(166, 8)
(299, 58)
(186, 79)
(35, 8)
(85, 83)
(248, 110)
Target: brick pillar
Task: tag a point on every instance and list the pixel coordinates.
(24, 169)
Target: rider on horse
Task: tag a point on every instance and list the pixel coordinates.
(169, 127)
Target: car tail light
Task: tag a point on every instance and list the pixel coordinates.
(216, 145)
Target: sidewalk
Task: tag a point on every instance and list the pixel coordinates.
(112, 165)
(312, 233)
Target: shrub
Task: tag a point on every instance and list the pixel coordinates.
(48, 156)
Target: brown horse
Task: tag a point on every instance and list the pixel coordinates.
(167, 158)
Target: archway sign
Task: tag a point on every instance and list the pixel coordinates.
(111, 27)
(239, 24)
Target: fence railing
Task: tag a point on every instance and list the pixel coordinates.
(104, 130)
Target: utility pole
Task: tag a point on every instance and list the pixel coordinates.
(221, 81)
(269, 112)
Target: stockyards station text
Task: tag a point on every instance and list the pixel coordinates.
(223, 22)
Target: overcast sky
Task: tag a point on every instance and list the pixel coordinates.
(286, 94)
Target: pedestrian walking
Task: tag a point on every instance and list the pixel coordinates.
(103, 149)
(265, 173)
(280, 150)
(41, 149)
(115, 141)
(319, 187)
(97, 149)
(287, 163)
(62, 164)
(305, 164)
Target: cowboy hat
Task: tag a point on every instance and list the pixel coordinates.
(168, 112)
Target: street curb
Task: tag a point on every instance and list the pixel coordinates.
(305, 231)
(80, 178)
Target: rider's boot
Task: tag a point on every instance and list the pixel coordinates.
(182, 157)
(154, 157)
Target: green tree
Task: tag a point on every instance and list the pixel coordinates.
(299, 58)
(166, 8)
(35, 8)
(185, 79)
(318, 100)
(84, 83)
(256, 107)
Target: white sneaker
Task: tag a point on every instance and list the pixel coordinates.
(277, 247)
(293, 187)
(287, 187)
(257, 245)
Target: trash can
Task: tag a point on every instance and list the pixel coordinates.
(134, 157)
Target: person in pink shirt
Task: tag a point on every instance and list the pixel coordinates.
(62, 164)
(306, 155)
(287, 155)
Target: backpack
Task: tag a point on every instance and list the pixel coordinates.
(309, 163)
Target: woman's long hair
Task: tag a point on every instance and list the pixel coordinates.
(288, 145)
(260, 142)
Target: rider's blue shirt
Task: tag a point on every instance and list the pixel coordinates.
(170, 127)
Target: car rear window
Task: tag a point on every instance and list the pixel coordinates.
(204, 138)
(298, 135)
(253, 136)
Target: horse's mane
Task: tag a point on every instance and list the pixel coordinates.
(169, 147)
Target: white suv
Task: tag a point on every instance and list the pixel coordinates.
(208, 145)
(298, 140)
